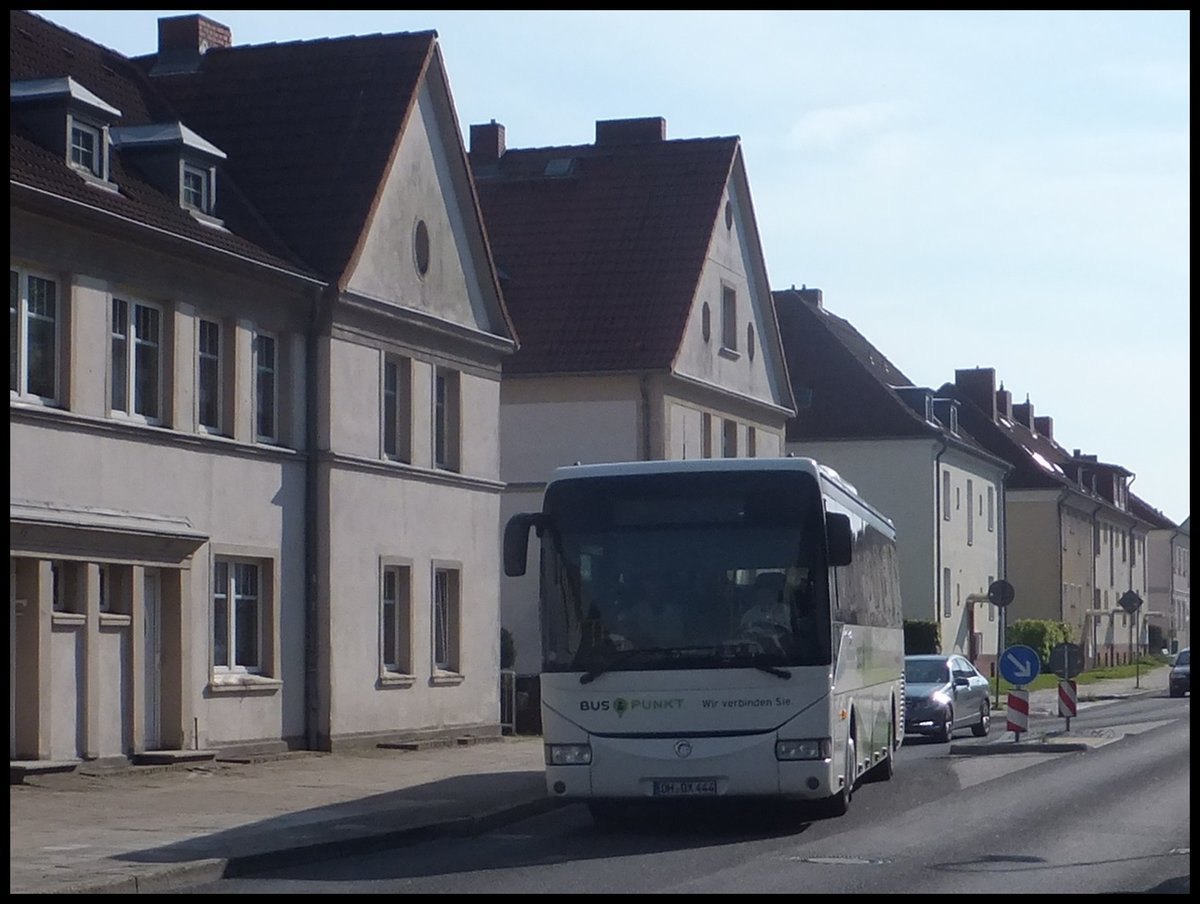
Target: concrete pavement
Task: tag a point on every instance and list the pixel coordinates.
(150, 828)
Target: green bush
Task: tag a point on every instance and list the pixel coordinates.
(508, 649)
(1042, 635)
(921, 637)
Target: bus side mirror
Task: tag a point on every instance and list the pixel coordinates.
(516, 543)
(837, 531)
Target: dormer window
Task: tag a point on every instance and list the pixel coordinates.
(197, 194)
(177, 161)
(68, 119)
(86, 145)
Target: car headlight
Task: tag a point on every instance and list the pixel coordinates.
(568, 754)
(941, 698)
(806, 749)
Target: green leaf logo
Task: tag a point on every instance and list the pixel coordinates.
(620, 705)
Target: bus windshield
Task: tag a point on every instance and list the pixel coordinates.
(669, 571)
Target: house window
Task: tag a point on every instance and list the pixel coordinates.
(750, 340)
(237, 615)
(957, 498)
(208, 375)
(705, 435)
(751, 442)
(970, 512)
(136, 375)
(397, 408)
(33, 331)
(196, 191)
(729, 439)
(945, 495)
(266, 388)
(945, 592)
(446, 583)
(728, 319)
(991, 508)
(446, 419)
(86, 147)
(396, 619)
(421, 247)
(705, 321)
(1096, 539)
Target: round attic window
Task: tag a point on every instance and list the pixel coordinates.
(750, 340)
(705, 322)
(421, 247)
(728, 214)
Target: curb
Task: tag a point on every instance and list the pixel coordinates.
(168, 878)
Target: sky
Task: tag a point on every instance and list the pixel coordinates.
(967, 188)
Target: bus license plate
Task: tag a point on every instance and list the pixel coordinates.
(686, 788)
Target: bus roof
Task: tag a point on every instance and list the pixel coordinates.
(701, 465)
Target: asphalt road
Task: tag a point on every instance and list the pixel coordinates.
(1115, 819)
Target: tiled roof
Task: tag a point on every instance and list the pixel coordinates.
(309, 127)
(600, 266)
(842, 382)
(1149, 514)
(1037, 462)
(39, 49)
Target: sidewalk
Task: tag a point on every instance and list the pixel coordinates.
(151, 828)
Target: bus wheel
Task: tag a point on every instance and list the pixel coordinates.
(839, 803)
(885, 768)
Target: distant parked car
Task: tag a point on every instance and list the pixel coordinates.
(1179, 681)
(943, 693)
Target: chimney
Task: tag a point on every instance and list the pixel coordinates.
(979, 386)
(183, 40)
(1023, 414)
(1004, 402)
(646, 130)
(1045, 426)
(811, 296)
(487, 142)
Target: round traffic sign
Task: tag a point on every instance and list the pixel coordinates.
(1066, 660)
(1020, 664)
(1000, 593)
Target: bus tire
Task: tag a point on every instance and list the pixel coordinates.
(885, 768)
(838, 804)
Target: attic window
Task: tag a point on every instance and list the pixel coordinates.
(729, 215)
(706, 321)
(559, 167)
(197, 188)
(750, 340)
(421, 247)
(86, 145)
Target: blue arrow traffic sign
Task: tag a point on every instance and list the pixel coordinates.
(1019, 665)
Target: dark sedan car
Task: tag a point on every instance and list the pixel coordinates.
(943, 693)
(1180, 681)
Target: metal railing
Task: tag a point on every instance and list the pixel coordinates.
(508, 701)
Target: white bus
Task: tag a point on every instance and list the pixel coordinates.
(714, 628)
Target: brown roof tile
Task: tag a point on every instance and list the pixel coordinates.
(599, 267)
(309, 127)
(40, 49)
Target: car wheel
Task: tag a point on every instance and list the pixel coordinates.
(984, 725)
(947, 731)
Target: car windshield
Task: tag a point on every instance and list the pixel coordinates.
(1182, 658)
(926, 671)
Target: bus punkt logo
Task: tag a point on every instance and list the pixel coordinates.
(620, 705)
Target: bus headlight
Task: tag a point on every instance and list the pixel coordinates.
(807, 749)
(568, 754)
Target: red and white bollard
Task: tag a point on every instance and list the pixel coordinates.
(1068, 700)
(1018, 712)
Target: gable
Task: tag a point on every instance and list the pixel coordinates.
(731, 338)
(423, 246)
